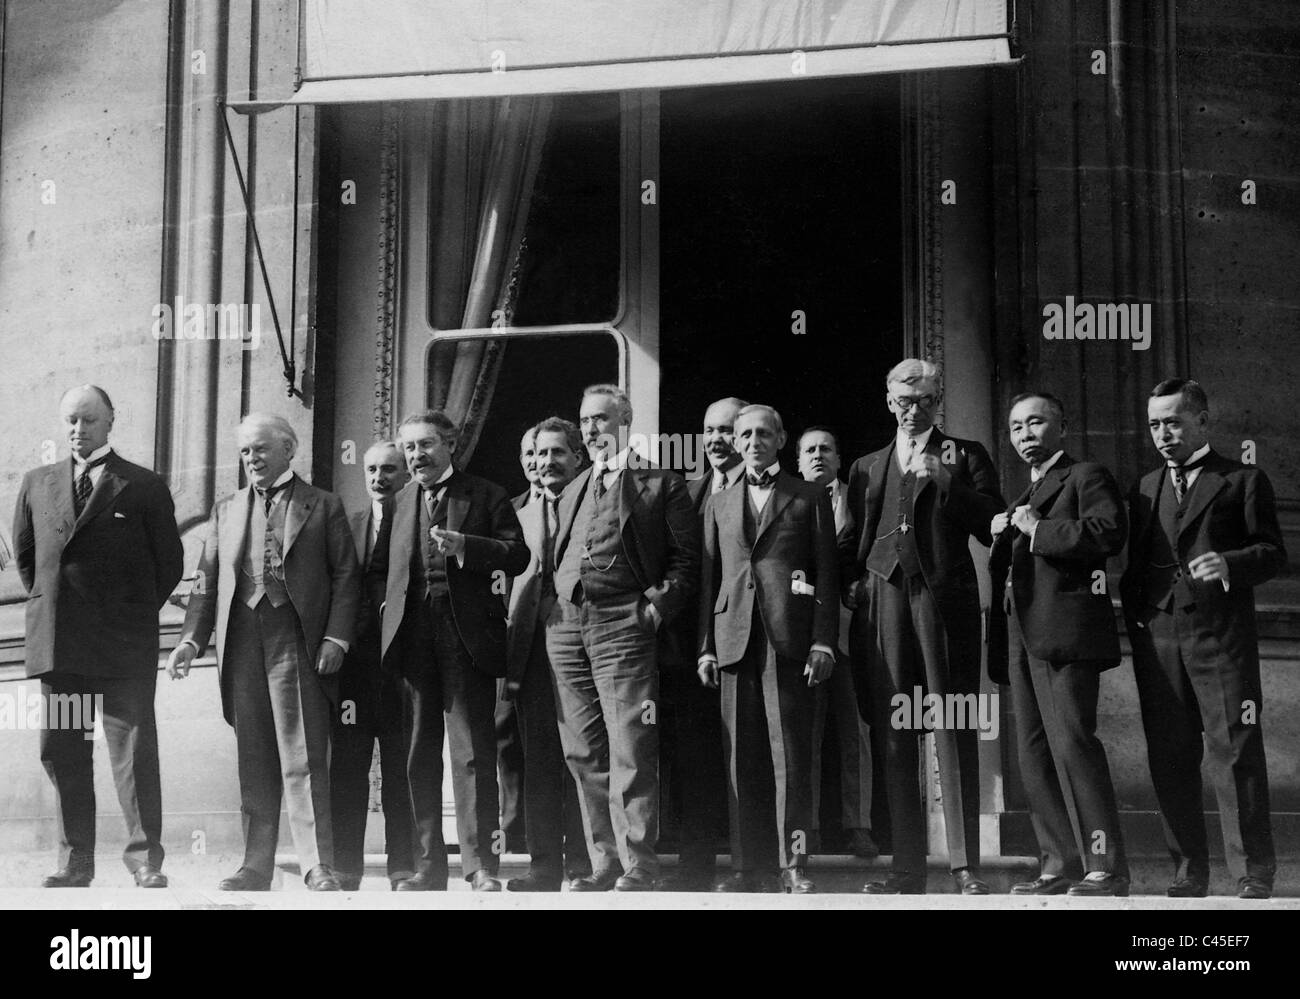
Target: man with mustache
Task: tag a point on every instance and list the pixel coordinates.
(769, 617)
(370, 705)
(1205, 534)
(439, 572)
(911, 583)
(98, 552)
(552, 817)
(278, 581)
(818, 453)
(691, 739)
(1049, 564)
(627, 560)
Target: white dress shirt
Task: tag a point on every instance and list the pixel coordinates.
(901, 446)
(96, 471)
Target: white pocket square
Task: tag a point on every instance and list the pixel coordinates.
(799, 587)
(119, 516)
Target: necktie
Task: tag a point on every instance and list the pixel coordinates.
(911, 454)
(761, 481)
(268, 496)
(1181, 475)
(598, 471)
(83, 487)
(719, 482)
(548, 542)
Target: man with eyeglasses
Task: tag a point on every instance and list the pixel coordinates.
(912, 586)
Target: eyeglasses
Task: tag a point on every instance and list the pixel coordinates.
(906, 402)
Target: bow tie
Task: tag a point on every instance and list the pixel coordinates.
(761, 481)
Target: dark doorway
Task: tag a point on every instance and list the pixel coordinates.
(781, 204)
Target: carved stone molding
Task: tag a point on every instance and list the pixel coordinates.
(930, 241)
(386, 313)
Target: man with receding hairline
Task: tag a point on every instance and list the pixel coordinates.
(98, 552)
(279, 584)
(1205, 534)
(911, 582)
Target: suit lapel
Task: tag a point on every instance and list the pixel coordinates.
(730, 504)
(457, 503)
(933, 446)
(876, 472)
(360, 524)
(568, 508)
(234, 531)
(302, 500)
(1208, 485)
(61, 492)
(782, 494)
(530, 521)
(106, 490)
(1053, 482)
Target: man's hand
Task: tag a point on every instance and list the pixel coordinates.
(999, 523)
(928, 466)
(1024, 518)
(1209, 568)
(856, 595)
(819, 667)
(330, 658)
(449, 543)
(179, 662)
(708, 673)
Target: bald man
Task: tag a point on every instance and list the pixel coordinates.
(279, 582)
(98, 551)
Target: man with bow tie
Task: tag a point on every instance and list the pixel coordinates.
(818, 452)
(769, 621)
(370, 705)
(279, 582)
(1205, 534)
(552, 817)
(1048, 563)
(439, 573)
(627, 560)
(98, 552)
(910, 581)
(690, 746)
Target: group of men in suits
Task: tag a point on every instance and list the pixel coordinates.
(614, 610)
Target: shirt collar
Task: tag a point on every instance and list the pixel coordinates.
(614, 464)
(1196, 456)
(1037, 473)
(921, 439)
(447, 473)
(285, 477)
(730, 475)
(95, 455)
(377, 510)
(771, 469)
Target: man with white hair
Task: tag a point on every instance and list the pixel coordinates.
(279, 582)
(910, 579)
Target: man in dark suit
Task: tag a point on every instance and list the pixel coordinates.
(627, 560)
(911, 584)
(279, 582)
(1205, 534)
(440, 571)
(370, 706)
(552, 817)
(769, 621)
(690, 747)
(818, 453)
(1049, 563)
(510, 752)
(98, 552)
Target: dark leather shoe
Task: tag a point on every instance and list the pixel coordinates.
(687, 880)
(1188, 887)
(1045, 885)
(751, 882)
(148, 876)
(348, 882)
(862, 845)
(424, 881)
(70, 877)
(604, 881)
(796, 882)
(533, 882)
(732, 881)
(1100, 884)
(1253, 887)
(968, 883)
(897, 883)
(246, 879)
(635, 880)
(484, 881)
(321, 878)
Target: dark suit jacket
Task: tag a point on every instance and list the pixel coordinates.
(945, 523)
(96, 582)
(525, 594)
(661, 534)
(794, 547)
(366, 647)
(1230, 511)
(1052, 594)
(320, 574)
(494, 544)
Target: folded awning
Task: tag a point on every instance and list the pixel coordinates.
(389, 50)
